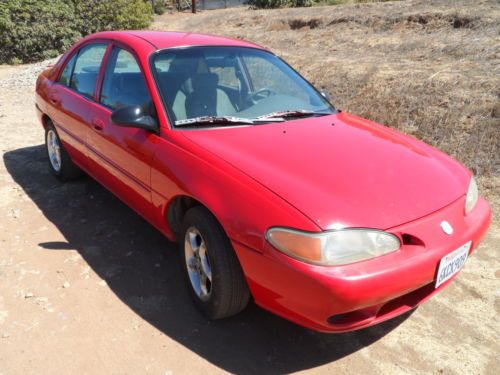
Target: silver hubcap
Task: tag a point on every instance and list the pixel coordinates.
(197, 263)
(54, 150)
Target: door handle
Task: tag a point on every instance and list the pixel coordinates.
(97, 124)
(54, 99)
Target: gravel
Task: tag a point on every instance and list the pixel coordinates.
(26, 77)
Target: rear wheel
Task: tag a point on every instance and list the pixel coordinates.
(214, 275)
(60, 162)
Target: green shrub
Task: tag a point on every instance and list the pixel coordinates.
(100, 15)
(33, 30)
(267, 4)
(159, 6)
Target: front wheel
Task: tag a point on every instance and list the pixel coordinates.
(60, 162)
(213, 272)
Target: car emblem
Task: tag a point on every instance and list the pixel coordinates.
(446, 227)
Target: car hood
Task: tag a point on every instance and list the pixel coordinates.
(341, 170)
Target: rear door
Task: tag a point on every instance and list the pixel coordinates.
(71, 98)
(121, 157)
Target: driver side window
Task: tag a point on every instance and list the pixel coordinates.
(123, 83)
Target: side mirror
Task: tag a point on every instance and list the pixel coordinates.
(135, 116)
(326, 95)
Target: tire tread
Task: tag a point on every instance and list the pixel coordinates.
(231, 293)
(69, 170)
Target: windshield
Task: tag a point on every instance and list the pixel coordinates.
(232, 82)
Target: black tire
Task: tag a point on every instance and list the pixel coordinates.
(67, 170)
(229, 292)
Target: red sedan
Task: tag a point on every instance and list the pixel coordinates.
(322, 217)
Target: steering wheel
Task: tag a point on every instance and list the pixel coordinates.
(258, 95)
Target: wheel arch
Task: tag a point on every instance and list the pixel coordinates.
(184, 176)
(177, 208)
(46, 120)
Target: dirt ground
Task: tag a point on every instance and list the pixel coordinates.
(87, 287)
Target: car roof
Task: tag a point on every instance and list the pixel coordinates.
(169, 39)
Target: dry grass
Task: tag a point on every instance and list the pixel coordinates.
(428, 68)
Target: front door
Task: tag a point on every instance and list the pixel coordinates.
(121, 157)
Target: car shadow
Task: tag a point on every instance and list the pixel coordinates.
(142, 268)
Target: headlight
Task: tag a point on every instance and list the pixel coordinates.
(472, 196)
(335, 247)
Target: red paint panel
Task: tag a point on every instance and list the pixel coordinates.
(341, 169)
(71, 116)
(121, 158)
(242, 206)
(309, 295)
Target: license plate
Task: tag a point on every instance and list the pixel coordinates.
(452, 263)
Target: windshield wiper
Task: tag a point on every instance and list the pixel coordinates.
(292, 113)
(214, 120)
(231, 120)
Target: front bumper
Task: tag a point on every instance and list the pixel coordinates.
(354, 296)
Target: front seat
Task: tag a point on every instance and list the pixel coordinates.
(206, 99)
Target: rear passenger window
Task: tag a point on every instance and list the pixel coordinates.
(123, 83)
(86, 69)
(65, 76)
